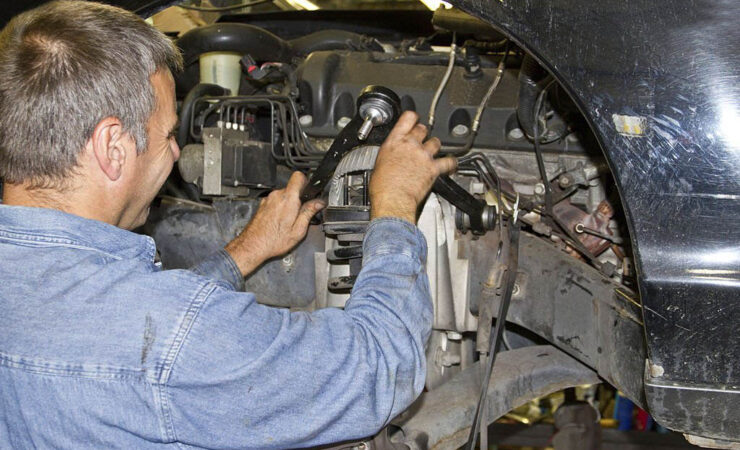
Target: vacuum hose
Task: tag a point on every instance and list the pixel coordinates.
(531, 78)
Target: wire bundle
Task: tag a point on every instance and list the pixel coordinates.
(289, 144)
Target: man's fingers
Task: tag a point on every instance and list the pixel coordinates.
(432, 146)
(446, 165)
(419, 132)
(306, 213)
(405, 124)
(296, 183)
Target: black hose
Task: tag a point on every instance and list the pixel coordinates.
(186, 111)
(531, 77)
(332, 40)
(538, 152)
(234, 37)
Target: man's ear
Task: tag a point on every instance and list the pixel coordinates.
(109, 145)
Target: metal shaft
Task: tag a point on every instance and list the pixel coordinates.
(365, 128)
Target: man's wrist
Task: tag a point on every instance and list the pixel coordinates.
(246, 256)
(405, 210)
(411, 218)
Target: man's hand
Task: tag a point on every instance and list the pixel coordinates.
(405, 170)
(280, 223)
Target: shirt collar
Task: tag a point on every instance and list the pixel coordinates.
(52, 223)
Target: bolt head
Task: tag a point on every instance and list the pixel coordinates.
(515, 134)
(539, 188)
(288, 260)
(460, 130)
(565, 181)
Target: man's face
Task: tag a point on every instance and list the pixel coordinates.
(154, 165)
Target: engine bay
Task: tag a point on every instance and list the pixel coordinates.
(255, 106)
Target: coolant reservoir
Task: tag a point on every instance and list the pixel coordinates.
(221, 68)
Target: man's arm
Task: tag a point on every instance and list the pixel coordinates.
(252, 376)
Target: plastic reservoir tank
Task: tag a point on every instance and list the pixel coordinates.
(221, 68)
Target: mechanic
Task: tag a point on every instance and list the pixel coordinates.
(99, 347)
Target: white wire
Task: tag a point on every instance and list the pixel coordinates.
(443, 83)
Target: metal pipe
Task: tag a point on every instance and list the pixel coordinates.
(491, 88)
(443, 83)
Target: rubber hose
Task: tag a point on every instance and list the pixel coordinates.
(198, 91)
(332, 40)
(530, 78)
(234, 37)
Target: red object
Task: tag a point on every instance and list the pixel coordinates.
(641, 421)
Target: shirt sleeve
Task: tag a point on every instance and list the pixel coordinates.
(252, 376)
(220, 267)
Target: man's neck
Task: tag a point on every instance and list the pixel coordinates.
(72, 201)
(21, 195)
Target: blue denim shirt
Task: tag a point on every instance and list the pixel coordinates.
(100, 348)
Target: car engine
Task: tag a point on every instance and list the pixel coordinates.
(256, 105)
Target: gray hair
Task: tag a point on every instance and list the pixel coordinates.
(65, 66)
